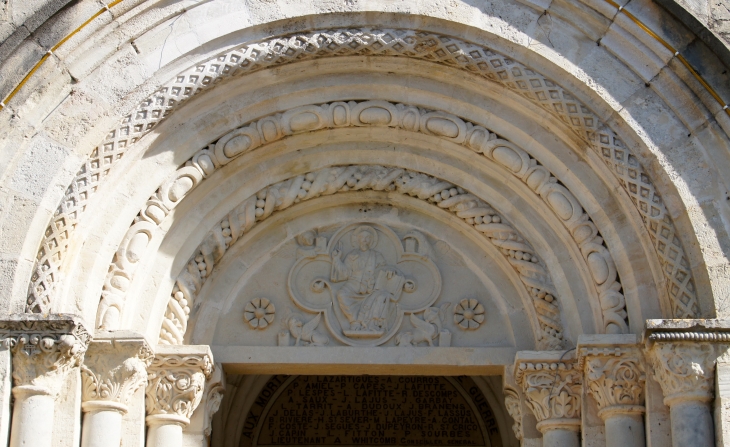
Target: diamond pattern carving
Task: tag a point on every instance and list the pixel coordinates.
(371, 42)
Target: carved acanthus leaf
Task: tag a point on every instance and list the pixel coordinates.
(552, 389)
(512, 402)
(44, 348)
(684, 370)
(176, 383)
(615, 380)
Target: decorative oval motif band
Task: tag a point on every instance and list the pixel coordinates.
(427, 46)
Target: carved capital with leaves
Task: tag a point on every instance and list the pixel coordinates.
(114, 368)
(215, 389)
(512, 402)
(44, 349)
(552, 388)
(176, 383)
(615, 377)
(684, 370)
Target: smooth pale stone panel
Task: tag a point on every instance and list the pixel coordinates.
(722, 404)
(363, 360)
(6, 384)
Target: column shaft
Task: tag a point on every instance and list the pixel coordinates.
(692, 424)
(102, 428)
(560, 437)
(164, 435)
(32, 417)
(625, 430)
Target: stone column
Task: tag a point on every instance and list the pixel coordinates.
(115, 367)
(552, 387)
(44, 350)
(614, 376)
(686, 373)
(175, 385)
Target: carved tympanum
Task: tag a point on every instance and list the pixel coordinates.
(341, 179)
(364, 282)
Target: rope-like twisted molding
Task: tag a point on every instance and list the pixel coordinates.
(379, 42)
(369, 113)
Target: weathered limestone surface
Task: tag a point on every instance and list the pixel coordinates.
(530, 193)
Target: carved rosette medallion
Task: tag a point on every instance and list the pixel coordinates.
(615, 378)
(685, 371)
(552, 392)
(44, 350)
(259, 313)
(364, 281)
(113, 371)
(176, 384)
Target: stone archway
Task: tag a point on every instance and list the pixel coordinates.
(208, 194)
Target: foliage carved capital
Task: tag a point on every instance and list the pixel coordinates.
(684, 370)
(176, 383)
(614, 377)
(512, 403)
(552, 391)
(113, 370)
(44, 349)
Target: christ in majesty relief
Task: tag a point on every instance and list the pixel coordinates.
(371, 285)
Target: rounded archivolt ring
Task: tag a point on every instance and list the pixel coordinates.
(341, 179)
(368, 113)
(479, 60)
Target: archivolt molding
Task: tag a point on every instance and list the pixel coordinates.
(338, 179)
(442, 49)
(368, 113)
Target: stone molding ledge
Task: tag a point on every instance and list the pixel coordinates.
(114, 369)
(44, 348)
(693, 330)
(176, 383)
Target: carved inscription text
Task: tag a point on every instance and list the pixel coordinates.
(373, 411)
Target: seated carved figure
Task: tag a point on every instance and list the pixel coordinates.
(370, 284)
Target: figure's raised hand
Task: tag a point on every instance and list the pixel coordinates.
(337, 252)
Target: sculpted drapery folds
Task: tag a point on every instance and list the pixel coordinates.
(175, 384)
(365, 306)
